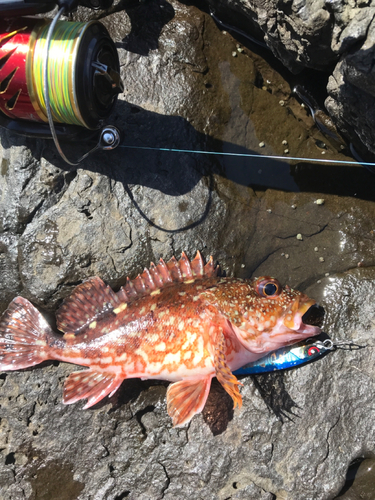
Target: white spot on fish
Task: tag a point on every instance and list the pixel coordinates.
(93, 325)
(173, 358)
(160, 347)
(190, 338)
(106, 361)
(199, 350)
(208, 362)
(133, 333)
(181, 325)
(120, 308)
(140, 352)
(155, 292)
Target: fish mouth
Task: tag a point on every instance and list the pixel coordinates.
(291, 327)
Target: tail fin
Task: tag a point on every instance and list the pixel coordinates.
(24, 335)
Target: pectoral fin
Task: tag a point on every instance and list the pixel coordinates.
(186, 398)
(91, 385)
(223, 372)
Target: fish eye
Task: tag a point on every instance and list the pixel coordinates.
(268, 287)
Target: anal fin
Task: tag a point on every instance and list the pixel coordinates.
(91, 385)
(186, 398)
(223, 372)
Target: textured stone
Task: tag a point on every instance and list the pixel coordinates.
(320, 34)
(351, 98)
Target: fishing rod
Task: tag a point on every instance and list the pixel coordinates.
(57, 78)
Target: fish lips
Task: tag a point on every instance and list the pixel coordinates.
(292, 323)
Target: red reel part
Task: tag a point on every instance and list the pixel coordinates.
(16, 93)
(91, 61)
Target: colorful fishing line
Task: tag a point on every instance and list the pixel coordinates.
(62, 60)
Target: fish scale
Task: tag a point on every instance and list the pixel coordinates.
(177, 321)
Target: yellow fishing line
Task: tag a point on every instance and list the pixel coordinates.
(61, 70)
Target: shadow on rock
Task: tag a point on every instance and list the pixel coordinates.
(139, 160)
(147, 20)
(218, 410)
(272, 389)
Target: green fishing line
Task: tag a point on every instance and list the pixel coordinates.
(62, 64)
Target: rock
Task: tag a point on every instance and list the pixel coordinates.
(298, 431)
(320, 34)
(360, 481)
(302, 33)
(352, 98)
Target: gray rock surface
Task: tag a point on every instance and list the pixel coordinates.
(351, 99)
(298, 431)
(322, 35)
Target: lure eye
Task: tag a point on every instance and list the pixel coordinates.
(312, 350)
(268, 288)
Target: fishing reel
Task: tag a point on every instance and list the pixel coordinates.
(58, 79)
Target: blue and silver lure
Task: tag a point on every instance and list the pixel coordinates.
(288, 357)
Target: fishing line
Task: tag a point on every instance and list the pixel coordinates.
(57, 57)
(61, 73)
(249, 155)
(60, 83)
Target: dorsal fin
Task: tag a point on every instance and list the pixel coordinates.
(158, 276)
(86, 304)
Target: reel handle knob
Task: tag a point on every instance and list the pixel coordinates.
(109, 138)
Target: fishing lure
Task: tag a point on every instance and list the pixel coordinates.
(291, 356)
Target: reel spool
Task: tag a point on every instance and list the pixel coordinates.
(82, 75)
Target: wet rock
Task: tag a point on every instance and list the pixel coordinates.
(298, 431)
(304, 33)
(317, 34)
(351, 95)
(360, 481)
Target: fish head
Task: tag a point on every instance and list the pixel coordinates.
(272, 316)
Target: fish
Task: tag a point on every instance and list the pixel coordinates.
(178, 321)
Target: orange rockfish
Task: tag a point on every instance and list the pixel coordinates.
(177, 321)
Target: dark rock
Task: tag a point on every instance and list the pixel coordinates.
(351, 98)
(360, 481)
(317, 34)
